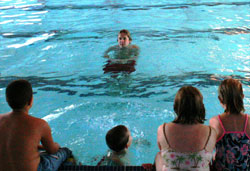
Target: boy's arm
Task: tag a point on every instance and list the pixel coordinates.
(40, 147)
(136, 51)
(108, 50)
(47, 141)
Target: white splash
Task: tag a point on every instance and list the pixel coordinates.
(32, 40)
(60, 111)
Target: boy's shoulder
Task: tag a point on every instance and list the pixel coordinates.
(115, 47)
(32, 122)
(113, 160)
(3, 115)
(29, 121)
(36, 120)
(134, 47)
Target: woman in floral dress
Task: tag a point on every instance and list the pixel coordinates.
(186, 143)
(233, 128)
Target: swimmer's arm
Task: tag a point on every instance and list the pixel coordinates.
(107, 51)
(133, 58)
(47, 141)
(136, 50)
(106, 55)
(122, 61)
(116, 60)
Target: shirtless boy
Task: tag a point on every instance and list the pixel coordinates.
(121, 57)
(124, 50)
(21, 134)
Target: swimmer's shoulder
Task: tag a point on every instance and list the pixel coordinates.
(111, 48)
(115, 47)
(134, 47)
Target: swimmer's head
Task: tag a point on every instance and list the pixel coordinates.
(118, 138)
(19, 94)
(124, 38)
(231, 96)
(189, 107)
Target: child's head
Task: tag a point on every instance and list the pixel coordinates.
(18, 94)
(118, 138)
(124, 38)
(189, 107)
(231, 96)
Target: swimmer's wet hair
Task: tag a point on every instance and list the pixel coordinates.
(189, 107)
(117, 138)
(18, 94)
(127, 33)
(231, 95)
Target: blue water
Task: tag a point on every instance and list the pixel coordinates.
(59, 46)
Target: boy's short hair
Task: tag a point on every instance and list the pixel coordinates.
(189, 107)
(127, 33)
(117, 138)
(18, 94)
(231, 95)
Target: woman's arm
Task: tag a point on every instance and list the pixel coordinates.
(215, 123)
(159, 135)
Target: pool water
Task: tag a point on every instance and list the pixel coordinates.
(59, 48)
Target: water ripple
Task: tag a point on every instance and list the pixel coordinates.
(142, 87)
(120, 6)
(162, 35)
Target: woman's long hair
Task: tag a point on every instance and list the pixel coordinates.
(231, 95)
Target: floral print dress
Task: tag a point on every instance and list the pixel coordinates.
(233, 150)
(189, 161)
(186, 161)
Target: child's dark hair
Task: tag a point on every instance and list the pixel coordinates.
(117, 138)
(188, 106)
(231, 95)
(127, 33)
(18, 94)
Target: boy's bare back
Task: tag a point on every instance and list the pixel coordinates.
(20, 136)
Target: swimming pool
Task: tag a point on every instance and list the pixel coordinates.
(59, 48)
